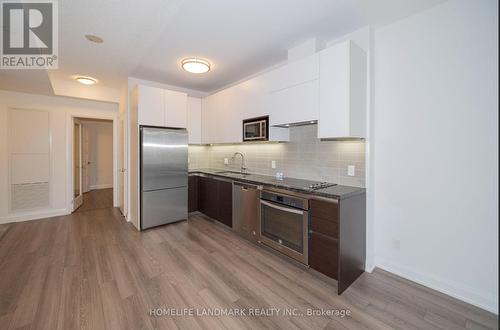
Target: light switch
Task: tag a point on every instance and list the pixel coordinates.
(226, 161)
(351, 170)
(273, 164)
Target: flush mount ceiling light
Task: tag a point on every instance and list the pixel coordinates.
(195, 65)
(86, 80)
(94, 38)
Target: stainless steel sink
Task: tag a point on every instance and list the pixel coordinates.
(233, 173)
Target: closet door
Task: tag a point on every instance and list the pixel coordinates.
(29, 160)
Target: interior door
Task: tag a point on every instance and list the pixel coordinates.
(86, 163)
(77, 165)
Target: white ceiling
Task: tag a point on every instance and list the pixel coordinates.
(244, 37)
(146, 39)
(27, 81)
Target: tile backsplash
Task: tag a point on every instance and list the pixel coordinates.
(305, 157)
(199, 157)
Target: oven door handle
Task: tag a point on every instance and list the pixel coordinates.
(282, 208)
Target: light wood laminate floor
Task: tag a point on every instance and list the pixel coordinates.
(3, 229)
(92, 270)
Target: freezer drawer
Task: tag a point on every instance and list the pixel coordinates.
(160, 207)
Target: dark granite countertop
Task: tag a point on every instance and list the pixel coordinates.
(335, 192)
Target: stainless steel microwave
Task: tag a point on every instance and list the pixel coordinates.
(256, 129)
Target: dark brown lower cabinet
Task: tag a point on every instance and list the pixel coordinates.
(208, 196)
(337, 238)
(323, 254)
(193, 193)
(337, 228)
(225, 203)
(214, 198)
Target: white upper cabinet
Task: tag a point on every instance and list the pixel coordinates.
(194, 120)
(161, 107)
(294, 104)
(223, 113)
(294, 93)
(342, 92)
(287, 94)
(294, 73)
(175, 109)
(222, 118)
(151, 108)
(205, 121)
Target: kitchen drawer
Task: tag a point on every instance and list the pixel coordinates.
(323, 209)
(328, 227)
(323, 254)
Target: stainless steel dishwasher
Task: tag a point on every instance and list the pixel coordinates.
(246, 215)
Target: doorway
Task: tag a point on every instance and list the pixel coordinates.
(93, 164)
(77, 165)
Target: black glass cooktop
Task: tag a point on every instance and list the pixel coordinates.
(302, 184)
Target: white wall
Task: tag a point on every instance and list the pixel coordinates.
(122, 151)
(60, 109)
(436, 149)
(100, 153)
(132, 82)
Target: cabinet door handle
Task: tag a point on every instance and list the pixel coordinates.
(281, 208)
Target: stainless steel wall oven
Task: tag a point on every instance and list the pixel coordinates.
(284, 219)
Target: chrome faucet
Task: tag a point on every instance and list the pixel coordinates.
(243, 167)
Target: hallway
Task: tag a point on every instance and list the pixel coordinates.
(96, 200)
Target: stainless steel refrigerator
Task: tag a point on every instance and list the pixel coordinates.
(164, 175)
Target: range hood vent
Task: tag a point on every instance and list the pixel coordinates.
(302, 123)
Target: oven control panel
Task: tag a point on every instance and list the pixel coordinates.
(287, 200)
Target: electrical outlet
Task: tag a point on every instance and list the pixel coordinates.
(351, 170)
(273, 164)
(226, 161)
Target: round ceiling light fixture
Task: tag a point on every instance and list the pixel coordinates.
(94, 38)
(195, 65)
(86, 80)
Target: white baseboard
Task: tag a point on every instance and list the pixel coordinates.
(369, 267)
(101, 186)
(485, 300)
(32, 215)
